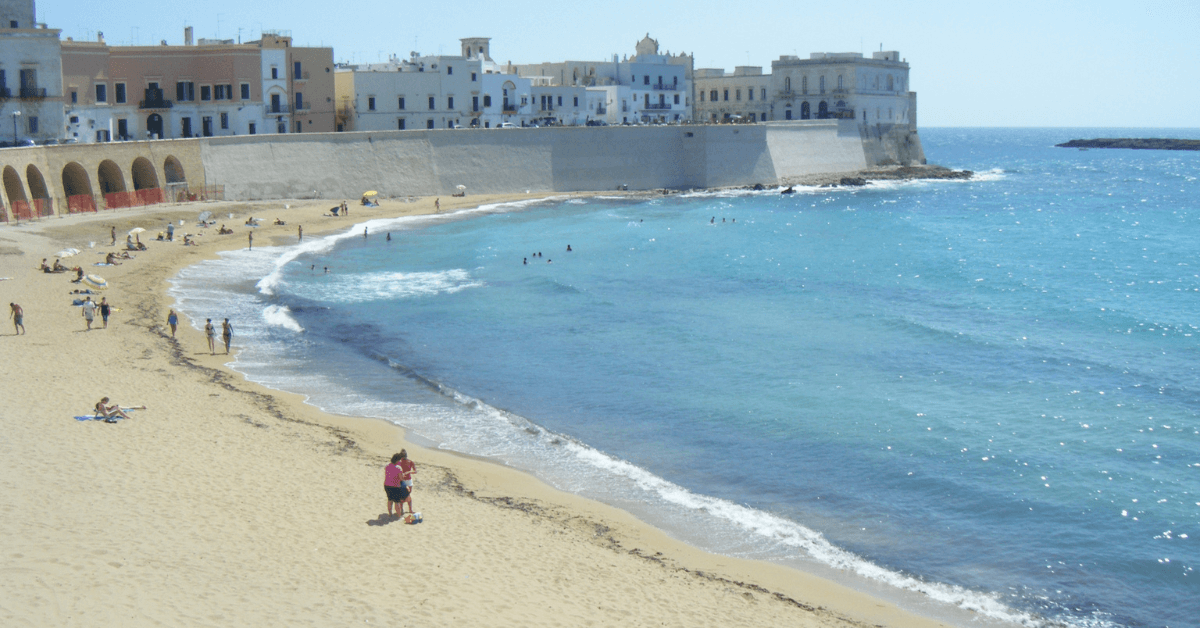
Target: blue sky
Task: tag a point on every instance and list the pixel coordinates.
(1017, 63)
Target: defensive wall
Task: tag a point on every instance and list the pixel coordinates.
(56, 180)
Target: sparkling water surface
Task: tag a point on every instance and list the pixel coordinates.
(974, 394)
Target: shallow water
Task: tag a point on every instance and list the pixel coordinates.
(983, 391)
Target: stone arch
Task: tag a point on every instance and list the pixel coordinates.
(144, 176)
(110, 177)
(823, 110)
(13, 186)
(173, 170)
(37, 183)
(75, 180)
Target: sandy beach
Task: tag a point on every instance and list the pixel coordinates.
(226, 504)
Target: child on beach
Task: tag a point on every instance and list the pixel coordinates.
(407, 469)
(393, 485)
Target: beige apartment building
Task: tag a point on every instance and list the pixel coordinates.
(200, 89)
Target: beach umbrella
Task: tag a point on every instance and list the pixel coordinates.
(204, 216)
(95, 281)
(462, 187)
(370, 193)
(67, 253)
(136, 230)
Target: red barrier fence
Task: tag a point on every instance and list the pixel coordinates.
(21, 210)
(43, 207)
(3, 214)
(137, 198)
(81, 203)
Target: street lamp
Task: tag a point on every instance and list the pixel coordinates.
(15, 115)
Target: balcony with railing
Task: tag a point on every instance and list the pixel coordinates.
(272, 108)
(301, 76)
(155, 103)
(33, 93)
(671, 87)
(655, 105)
(509, 108)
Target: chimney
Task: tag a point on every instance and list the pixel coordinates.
(187, 35)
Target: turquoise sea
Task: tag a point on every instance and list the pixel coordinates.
(976, 398)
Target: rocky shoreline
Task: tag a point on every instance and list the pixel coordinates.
(1135, 143)
(891, 173)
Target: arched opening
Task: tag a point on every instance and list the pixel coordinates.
(173, 170)
(78, 188)
(144, 176)
(154, 126)
(16, 194)
(39, 194)
(805, 111)
(145, 183)
(787, 113)
(110, 177)
(112, 185)
(176, 187)
(823, 110)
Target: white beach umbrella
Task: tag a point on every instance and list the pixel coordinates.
(204, 216)
(136, 230)
(67, 253)
(95, 281)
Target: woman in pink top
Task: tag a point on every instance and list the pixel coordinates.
(394, 486)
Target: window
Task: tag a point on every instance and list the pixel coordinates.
(804, 85)
(450, 102)
(296, 71)
(677, 99)
(431, 106)
(251, 129)
(101, 92)
(659, 81)
(713, 95)
(245, 91)
(474, 103)
(229, 92)
(726, 94)
(701, 95)
(33, 125)
(119, 88)
(298, 127)
(74, 97)
(577, 101)
(122, 128)
(186, 127)
(12, 24)
(839, 81)
(219, 92)
(472, 77)
(764, 93)
(450, 124)
(645, 80)
(103, 136)
(400, 123)
(185, 91)
(822, 84)
(487, 100)
(429, 123)
(206, 128)
(560, 101)
(299, 101)
(205, 92)
(449, 70)
(224, 120)
(737, 94)
(371, 103)
(274, 72)
(787, 84)
(750, 94)
(401, 103)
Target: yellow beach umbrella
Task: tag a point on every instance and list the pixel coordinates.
(370, 193)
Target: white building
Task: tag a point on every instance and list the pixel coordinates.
(31, 96)
(843, 85)
(648, 87)
(438, 92)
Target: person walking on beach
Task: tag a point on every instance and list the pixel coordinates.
(251, 237)
(299, 233)
(89, 311)
(407, 469)
(114, 236)
(226, 334)
(105, 310)
(173, 321)
(393, 485)
(209, 332)
(437, 204)
(18, 316)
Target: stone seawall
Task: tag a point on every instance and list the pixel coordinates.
(53, 180)
(423, 163)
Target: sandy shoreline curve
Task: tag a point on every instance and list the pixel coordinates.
(227, 503)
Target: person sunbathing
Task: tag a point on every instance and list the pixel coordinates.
(187, 240)
(111, 259)
(224, 230)
(109, 413)
(279, 222)
(252, 222)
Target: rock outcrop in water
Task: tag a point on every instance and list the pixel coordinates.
(1135, 142)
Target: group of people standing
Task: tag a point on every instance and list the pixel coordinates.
(398, 483)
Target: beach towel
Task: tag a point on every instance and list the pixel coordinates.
(95, 417)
